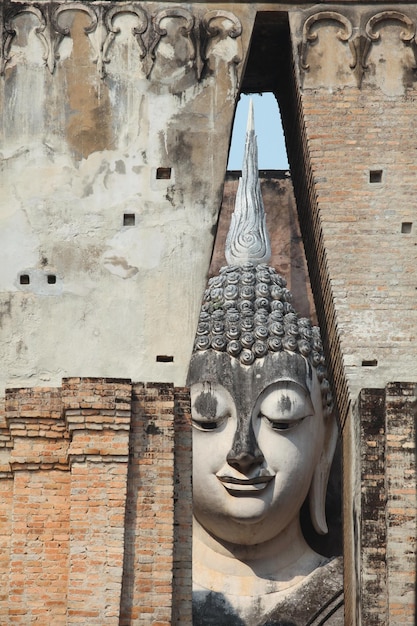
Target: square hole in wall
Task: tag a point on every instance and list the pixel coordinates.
(163, 173)
(164, 358)
(129, 219)
(375, 176)
(51, 278)
(369, 363)
(24, 279)
(406, 227)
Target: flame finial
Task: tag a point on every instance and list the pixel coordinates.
(248, 239)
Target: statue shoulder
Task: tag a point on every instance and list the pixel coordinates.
(317, 600)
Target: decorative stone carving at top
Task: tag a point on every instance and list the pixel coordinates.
(7, 33)
(407, 36)
(193, 43)
(360, 44)
(309, 37)
(326, 68)
(107, 31)
(50, 31)
(220, 26)
(172, 31)
(248, 238)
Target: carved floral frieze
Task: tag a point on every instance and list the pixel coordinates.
(199, 35)
(360, 37)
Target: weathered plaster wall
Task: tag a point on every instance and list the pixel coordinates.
(94, 98)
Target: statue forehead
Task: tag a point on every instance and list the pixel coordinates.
(249, 381)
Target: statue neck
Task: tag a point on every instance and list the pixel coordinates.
(273, 566)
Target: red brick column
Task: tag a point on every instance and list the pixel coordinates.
(386, 532)
(372, 531)
(401, 510)
(148, 569)
(183, 511)
(39, 534)
(6, 507)
(97, 413)
(88, 525)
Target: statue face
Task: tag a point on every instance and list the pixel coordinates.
(258, 433)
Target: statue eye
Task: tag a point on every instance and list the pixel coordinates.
(285, 406)
(207, 425)
(281, 425)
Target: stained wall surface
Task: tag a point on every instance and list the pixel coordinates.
(115, 126)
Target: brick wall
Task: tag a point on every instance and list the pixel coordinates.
(97, 414)
(90, 532)
(350, 128)
(352, 151)
(147, 589)
(386, 535)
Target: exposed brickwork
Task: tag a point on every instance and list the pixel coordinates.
(401, 487)
(298, 144)
(97, 413)
(6, 510)
(336, 139)
(88, 485)
(387, 534)
(147, 589)
(373, 532)
(39, 532)
(182, 580)
(39, 548)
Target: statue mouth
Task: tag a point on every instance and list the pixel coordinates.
(245, 485)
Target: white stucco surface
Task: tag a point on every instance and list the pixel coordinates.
(79, 151)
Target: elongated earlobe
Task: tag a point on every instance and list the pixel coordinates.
(318, 487)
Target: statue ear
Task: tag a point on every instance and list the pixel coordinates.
(318, 486)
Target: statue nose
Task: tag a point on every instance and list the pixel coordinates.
(245, 461)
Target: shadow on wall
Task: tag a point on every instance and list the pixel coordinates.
(212, 609)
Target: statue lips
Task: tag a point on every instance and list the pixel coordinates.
(246, 486)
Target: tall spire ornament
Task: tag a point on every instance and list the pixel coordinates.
(247, 239)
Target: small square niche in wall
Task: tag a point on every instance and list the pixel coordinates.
(129, 219)
(375, 176)
(369, 363)
(163, 173)
(406, 227)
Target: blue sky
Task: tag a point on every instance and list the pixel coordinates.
(268, 128)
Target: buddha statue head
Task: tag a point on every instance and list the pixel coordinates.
(263, 430)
